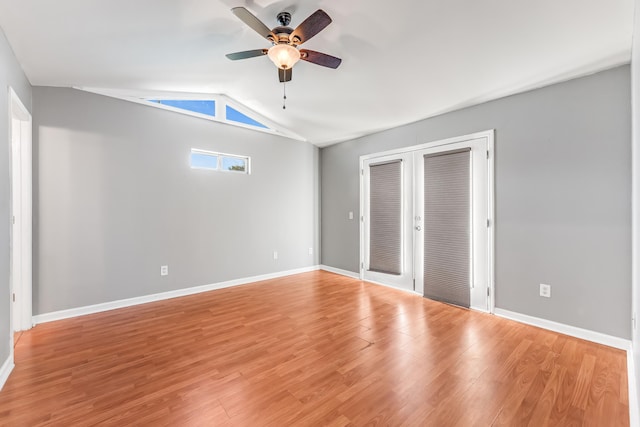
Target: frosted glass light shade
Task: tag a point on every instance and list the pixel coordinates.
(284, 56)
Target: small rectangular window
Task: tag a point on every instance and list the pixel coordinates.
(232, 163)
(201, 159)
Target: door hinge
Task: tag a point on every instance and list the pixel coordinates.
(13, 219)
(488, 223)
(362, 266)
(361, 171)
(488, 291)
(362, 218)
(14, 297)
(487, 154)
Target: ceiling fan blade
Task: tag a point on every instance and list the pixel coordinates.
(246, 54)
(320, 58)
(248, 18)
(311, 26)
(285, 75)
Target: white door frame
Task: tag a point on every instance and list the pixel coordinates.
(20, 218)
(489, 135)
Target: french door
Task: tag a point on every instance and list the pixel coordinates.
(425, 224)
(388, 217)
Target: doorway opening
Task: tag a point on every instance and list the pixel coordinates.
(20, 130)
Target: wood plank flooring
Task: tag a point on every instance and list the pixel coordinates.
(306, 350)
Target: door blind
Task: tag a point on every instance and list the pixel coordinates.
(385, 250)
(447, 238)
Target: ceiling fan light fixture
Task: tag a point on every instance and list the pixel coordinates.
(284, 56)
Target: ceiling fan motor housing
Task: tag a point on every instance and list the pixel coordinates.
(282, 33)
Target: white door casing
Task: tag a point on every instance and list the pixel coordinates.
(20, 214)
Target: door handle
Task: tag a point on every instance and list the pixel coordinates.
(418, 228)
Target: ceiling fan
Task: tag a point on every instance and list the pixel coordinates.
(285, 53)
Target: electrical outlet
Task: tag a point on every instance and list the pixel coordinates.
(164, 270)
(275, 254)
(310, 251)
(545, 290)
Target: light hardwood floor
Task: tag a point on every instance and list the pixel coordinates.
(310, 349)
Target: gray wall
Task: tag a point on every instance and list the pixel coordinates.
(563, 175)
(11, 75)
(115, 199)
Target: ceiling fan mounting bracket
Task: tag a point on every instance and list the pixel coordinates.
(284, 18)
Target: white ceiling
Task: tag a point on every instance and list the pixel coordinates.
(402, 61)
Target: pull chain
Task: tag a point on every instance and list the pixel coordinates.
(284, 97)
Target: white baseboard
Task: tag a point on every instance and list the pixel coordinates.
(340, 271)
(573, 331)
(634, 411)
(112, 305)
(5, 370)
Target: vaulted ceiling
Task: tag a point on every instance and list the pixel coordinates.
(402, 61)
